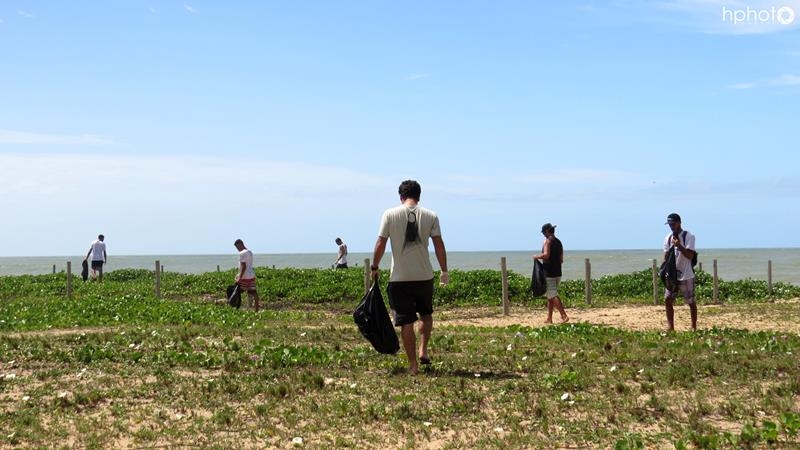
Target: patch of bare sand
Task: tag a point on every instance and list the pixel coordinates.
(638, 318)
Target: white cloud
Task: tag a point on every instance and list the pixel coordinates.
(581, 177)
(779, 81)
(26, 14)
(416, 76)
(27, 138)
(786, 80)
(190, 9)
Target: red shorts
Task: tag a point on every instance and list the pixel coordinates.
(248, 284)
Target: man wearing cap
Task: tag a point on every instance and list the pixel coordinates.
(552, 257)
(682, 243)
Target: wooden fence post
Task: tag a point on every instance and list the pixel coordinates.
(700, 263)
(769, 276)
(69, 279)
(504, 272)
(366, 275)
(716, 284)
(588, 282)
(54, 269)
(217, 267)
(655, 283)
(158, 279)
(162, 268)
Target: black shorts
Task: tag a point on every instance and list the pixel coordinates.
(341, 266)
(97, 265)
(409, 298)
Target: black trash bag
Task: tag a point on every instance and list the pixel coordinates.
(234, 294)
(668, 272)
(374, 324)
(85, 270)
(538, 281)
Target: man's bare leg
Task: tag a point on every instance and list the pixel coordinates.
(409, 345)
(550, 306)
(670, 314)
(425, 328)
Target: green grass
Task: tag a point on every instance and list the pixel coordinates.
(116, 367)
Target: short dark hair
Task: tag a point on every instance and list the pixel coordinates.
(410, 189)
(338, 240)
(101, 237)
(237, 242)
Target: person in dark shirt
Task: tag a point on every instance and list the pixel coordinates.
(552, 257)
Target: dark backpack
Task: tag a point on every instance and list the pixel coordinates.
(668, 272)
(234, 294)
(373, 322)
(538, 281)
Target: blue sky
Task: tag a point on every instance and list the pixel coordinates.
(176, 127)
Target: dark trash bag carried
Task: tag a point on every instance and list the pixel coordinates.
(669, 272)
(538, 281)
(234, 293)
(85, 270)
(373, 322)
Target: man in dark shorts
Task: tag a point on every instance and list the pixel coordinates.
(682, 243)
(410, 290)
(97, 250)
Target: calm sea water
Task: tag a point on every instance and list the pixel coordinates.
(732, 264)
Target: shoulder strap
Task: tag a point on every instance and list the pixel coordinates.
(683, 237)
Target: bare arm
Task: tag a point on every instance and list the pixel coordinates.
(105, 256)
(441, 252)
(377, 255)
(545, 252)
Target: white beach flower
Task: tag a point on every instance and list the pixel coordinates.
(427, 424)
(498, 430)
(10, 376)
(353, 385)
(613, 369)
(641, 371)
(26, 398)
(477, 375)
(62, 394)
(574, 355)
(297, 441)
(328, 381)
(509, 347)
(303, 334)
(565, 397)
(524, 358)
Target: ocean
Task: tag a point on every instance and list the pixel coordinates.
(732, 264)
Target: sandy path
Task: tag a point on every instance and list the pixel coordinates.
(754, 317)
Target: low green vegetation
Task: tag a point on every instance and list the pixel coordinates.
(114, 366)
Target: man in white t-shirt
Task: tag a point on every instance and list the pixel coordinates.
(341, 257)
(682, 243)
(246, 278)
(410, 289)
(97, 250)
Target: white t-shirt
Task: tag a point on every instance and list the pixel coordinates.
(246, 257)
(98, 250)
(410, 260)
(683, 264)
(342, 259)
